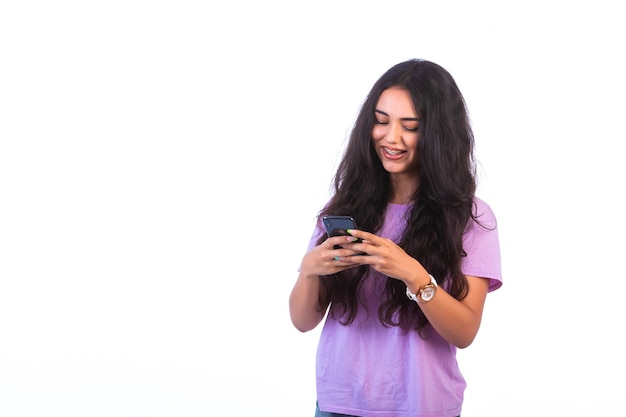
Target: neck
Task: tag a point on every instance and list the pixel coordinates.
(401, 200)
(403, 190)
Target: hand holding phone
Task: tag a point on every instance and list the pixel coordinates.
(339, 226)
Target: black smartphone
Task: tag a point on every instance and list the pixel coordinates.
(338, 225)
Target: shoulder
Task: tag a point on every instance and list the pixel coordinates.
(481, 244)
(483, 214)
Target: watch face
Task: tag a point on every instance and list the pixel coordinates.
(428, 293)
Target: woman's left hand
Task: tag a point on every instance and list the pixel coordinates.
(384, 255)
(456, 321)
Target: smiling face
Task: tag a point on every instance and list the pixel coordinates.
(395, 134)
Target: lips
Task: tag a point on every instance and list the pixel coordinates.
(393, 153)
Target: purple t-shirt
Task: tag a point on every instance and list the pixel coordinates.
(366, 369)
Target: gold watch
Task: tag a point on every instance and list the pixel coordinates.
(425, 293)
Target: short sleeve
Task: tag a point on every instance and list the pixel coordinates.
(482, 246)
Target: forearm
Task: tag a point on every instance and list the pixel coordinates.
(304, 308)
(456, 321)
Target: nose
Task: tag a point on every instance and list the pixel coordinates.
(394, 134)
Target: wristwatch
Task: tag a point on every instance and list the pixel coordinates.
(424, 293)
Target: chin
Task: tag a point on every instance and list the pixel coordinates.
(394, 168)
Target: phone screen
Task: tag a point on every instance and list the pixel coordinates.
(338, 225)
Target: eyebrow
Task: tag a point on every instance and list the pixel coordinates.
(404, 119)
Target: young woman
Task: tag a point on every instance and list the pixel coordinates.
(408, 287)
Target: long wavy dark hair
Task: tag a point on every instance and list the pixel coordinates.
(442, 203)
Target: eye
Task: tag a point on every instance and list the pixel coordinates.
(380, 122)
(411, 129)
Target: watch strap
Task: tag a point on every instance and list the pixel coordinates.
(430, 288)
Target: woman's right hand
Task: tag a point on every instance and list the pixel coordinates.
(304, 301)
(329, 257)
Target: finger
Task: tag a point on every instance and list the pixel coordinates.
(344, 261)
(344, 251)
(362, 258)
(363, 235)
(337, 241)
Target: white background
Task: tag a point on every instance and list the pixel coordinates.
(161, 164)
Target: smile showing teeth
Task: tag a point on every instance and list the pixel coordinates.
(393, 151)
